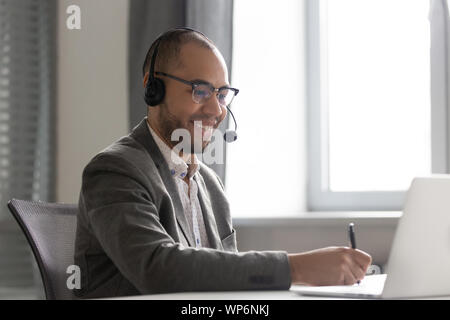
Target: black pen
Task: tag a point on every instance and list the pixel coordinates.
(351, 235)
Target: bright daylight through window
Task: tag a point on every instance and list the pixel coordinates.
(378, 70)
(265, 166)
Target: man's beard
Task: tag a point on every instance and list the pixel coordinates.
(168, 123)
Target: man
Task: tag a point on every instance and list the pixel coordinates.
(154, 220)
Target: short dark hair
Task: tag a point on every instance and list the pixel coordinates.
(169, 48)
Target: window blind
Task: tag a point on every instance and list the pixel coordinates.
(27, 86)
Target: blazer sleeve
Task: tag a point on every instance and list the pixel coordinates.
(125, 220)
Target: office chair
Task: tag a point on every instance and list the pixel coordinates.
(50, 231)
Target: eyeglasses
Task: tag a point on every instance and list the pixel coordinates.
(202, 90)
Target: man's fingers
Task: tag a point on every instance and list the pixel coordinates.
(363, 259)
(349, 278)
(358, 272)
(357, 264)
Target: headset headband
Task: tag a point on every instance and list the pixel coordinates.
(158, 41)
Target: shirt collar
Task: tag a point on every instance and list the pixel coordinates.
(177, 165)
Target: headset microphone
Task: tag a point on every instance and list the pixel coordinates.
(230, 135)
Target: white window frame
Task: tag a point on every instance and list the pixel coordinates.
(320, 197)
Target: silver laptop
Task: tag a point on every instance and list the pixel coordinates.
(419, 261)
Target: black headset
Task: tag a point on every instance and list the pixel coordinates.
(155, 89)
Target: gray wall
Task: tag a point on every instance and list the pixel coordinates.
(92, 104)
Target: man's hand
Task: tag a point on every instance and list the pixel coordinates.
(329, 266)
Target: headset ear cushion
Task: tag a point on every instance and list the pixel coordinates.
(154, 92)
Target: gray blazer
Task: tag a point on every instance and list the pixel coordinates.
(133, 238)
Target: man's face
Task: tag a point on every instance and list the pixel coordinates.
(178, 110)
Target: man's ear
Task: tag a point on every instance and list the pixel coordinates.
(145, 78)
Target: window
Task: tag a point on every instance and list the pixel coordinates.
(27, 86)
(369, 102)
(265, 173)
(335, 111)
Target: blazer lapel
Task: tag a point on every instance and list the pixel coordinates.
(143, 135)
(208, 215)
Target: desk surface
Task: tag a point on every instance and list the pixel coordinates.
(225, 295)
(239, 295)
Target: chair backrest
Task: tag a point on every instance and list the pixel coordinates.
(50, 231)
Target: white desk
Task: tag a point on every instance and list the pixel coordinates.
(239, 295)
(224, 295)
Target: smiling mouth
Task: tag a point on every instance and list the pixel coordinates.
(202, 125)
(204, 128)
